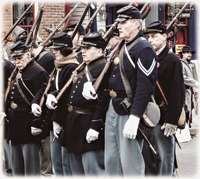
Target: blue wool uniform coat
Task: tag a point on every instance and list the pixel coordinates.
(20, 121)
(170, 77)
(142, 78)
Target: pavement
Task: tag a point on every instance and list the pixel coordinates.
(188, 156)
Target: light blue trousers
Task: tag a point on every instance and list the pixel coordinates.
(25, 159)
(123, 156)
(59, 157)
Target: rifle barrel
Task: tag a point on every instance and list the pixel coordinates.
(18, 21)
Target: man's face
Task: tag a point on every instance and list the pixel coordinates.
(128, 29)
(90, 54)
(157, 40)
(77, 39)
(22, 60)
(187, 55)
(112, 42)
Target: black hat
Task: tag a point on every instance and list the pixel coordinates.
(61, 40)
(81, 30)
(23, 39)
(128, 12)
(93, 39)
(19, 48)
(115, 32)
(155, 27)
(187, 49)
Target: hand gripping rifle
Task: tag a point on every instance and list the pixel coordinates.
(18, 21)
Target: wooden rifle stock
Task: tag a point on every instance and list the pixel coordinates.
(64, 88)
(38, 25)
(88, 25)
(47, 88)
(81, 20)
(35, 25)
(18, 21)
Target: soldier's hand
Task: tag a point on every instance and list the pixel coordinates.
(88, 90)
(92, 135)
(170, 129)
(36, 110)
(131, 127)
(51, 99)
(56, 129)
(35, 131)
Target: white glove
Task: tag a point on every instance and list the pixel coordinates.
(131, 127)
(51, 99)
(36, 110)
(92, 135)
(87, 90)
(196, 83)
(35, 131)
(170, 129)
(56, 129)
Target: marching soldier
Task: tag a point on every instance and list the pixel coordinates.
(170, 78)
(122, 147)
(83, 134)
(24, 136)
(65, 63)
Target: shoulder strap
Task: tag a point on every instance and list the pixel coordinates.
(122, 70)
(41, 55)
(159, 87)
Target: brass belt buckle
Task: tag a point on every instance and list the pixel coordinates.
(70, 108)
(113, 94)
(13, 105)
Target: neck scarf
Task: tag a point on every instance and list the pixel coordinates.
(71, 58)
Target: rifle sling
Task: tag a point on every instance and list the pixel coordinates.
(90, 67)
(125, 81)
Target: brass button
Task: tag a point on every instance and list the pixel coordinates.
(113, 75)
(70, 108)
(75, 79)
(113, 94)
(13, 105)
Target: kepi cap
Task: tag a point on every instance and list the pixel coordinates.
(61, 40)
(81, 30)
(115, 32)
(19, 48)
(128, 12)
(155, 27)
(93, 39)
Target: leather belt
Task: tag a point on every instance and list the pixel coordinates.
(19, 106)
(114, 94)
(79, 110)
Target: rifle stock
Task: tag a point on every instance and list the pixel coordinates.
(81, 20)
(46, 89)
(74, 73)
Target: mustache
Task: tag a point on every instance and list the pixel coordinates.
(19, 64)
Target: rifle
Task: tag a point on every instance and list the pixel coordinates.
(38, 25)
(177, 15)
(88, 25)
(80, 20)
(64, 88)
(54, 31)
(35, 25)
(18, 21)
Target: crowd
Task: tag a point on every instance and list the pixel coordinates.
(86, 130)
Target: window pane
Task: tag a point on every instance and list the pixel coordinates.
(18, 9)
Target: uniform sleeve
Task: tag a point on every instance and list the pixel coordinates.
(146, 67)
(177, 94)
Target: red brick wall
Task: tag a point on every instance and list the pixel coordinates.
(52, 12)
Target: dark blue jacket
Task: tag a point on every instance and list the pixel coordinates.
(142, 78)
